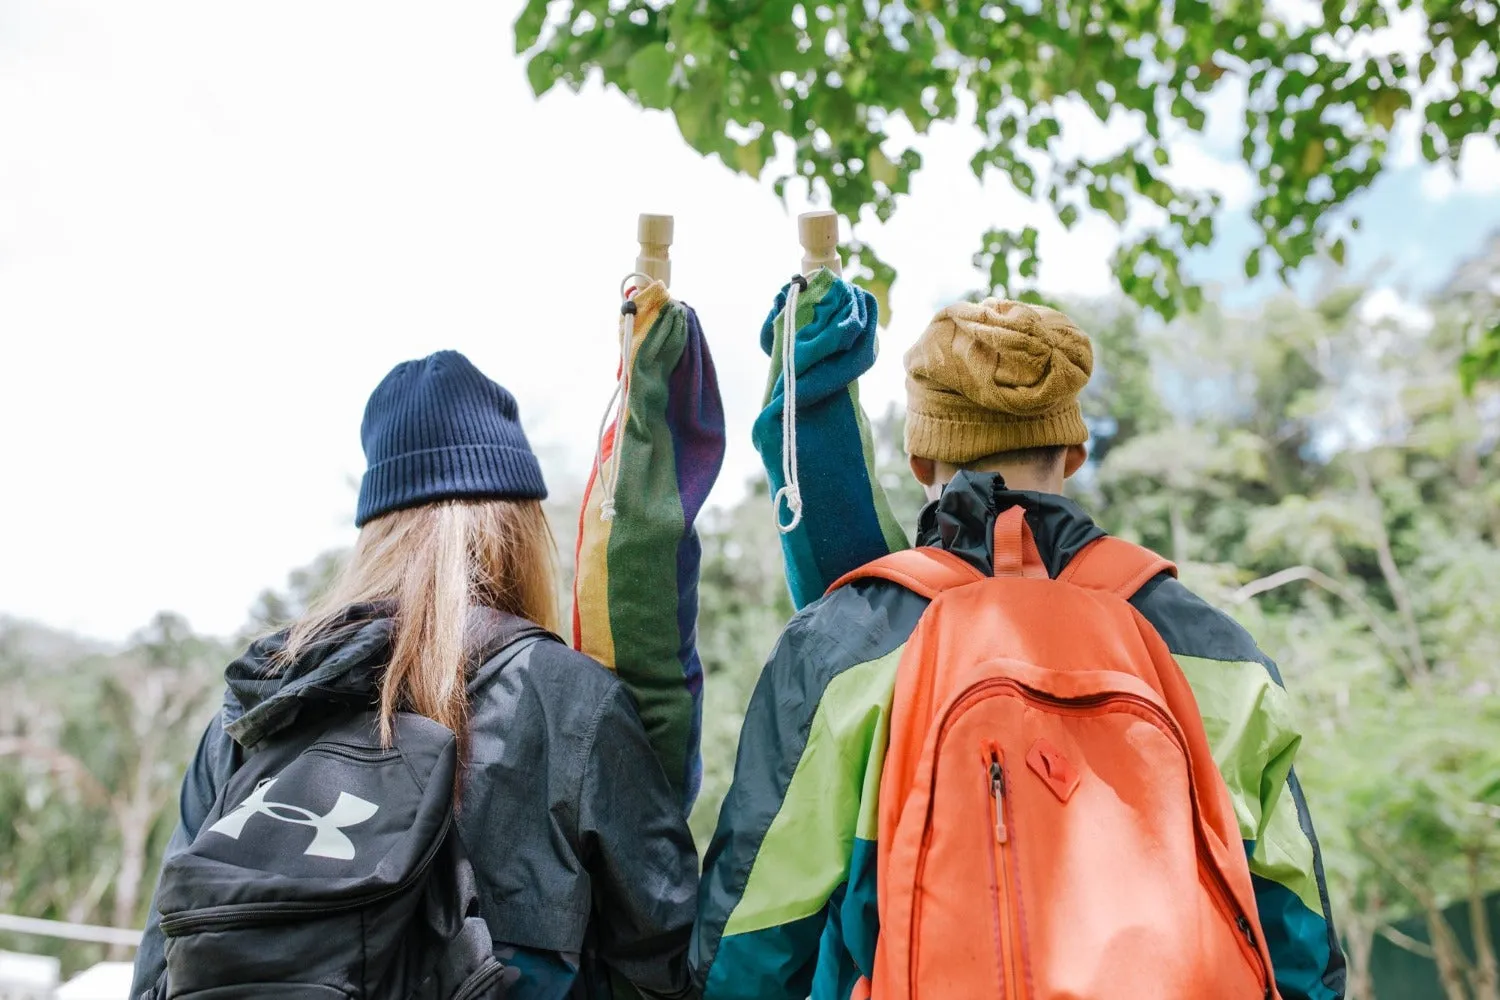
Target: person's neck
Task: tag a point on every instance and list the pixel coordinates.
(1018, 477)
(1026, 478)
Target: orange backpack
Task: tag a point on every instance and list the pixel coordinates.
(1052, 823)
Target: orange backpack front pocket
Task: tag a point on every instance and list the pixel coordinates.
(1062, 851)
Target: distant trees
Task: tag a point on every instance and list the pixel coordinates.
(94, 748)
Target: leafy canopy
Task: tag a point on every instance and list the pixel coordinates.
(1322, 93)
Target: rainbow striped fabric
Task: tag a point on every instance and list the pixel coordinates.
(635, 595)
(846, 518)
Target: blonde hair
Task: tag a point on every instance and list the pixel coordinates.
(435, 562)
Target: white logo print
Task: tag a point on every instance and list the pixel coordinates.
(328, 842)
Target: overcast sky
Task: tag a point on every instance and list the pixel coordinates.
(221, 224)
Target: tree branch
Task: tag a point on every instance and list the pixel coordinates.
(59, 762)
(1388, 568)
(1485, 980)
(1348, 595)
(1407, 943)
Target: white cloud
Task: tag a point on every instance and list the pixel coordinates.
(1477, 172)
(1195, 168)
(1387, 304)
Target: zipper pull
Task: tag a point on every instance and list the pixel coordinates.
(997, 792)
(1243, 924)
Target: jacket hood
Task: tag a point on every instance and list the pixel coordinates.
(342, 668)
(962, 521)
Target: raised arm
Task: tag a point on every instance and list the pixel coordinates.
(635, 605)
(839, 513)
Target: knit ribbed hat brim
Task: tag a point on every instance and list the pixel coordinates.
(458, 472)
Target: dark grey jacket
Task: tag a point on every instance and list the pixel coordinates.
(586, 869)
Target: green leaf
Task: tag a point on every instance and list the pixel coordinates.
(1481, 362)
(748, 159)
(700, 113)
(1067, 215)
(882, 170)
(542, 73)
(650, 74)
(1336, 250)
(1390, 101)
(1114, 204)
(529, 24)
(1252, 264)
(1313, 155)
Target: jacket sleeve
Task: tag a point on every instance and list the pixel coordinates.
(846, 519)
(788, 882)
(1248, 718)
(639, 854)
(638, 556)
(200, 788)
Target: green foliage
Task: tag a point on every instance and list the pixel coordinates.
(1482, 361)
(1321, 98)
(1334, 491)
(94, 744)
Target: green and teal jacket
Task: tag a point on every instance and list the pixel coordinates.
(787, 907)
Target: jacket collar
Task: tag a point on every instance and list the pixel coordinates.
(340, 669)
(962, 521)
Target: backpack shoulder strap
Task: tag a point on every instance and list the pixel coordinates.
(1115, 566)
(926, 571)
(498, 631)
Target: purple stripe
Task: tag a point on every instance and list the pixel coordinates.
(695, 415)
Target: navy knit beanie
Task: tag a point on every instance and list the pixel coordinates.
(439, 429)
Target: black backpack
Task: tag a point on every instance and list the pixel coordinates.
(330, 869)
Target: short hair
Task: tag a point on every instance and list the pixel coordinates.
(1042, 459)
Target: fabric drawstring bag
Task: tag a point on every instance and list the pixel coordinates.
(834, 343)
(635, 592)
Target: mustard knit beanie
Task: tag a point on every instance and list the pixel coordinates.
(995, 376)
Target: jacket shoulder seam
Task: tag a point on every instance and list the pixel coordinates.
(586, 759)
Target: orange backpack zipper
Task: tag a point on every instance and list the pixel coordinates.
(1005, 884)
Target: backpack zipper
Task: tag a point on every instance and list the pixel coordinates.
(251, 914)
(1219, 890)
(481, 979)
(997, 792)
(1005, 886)
(350, 751)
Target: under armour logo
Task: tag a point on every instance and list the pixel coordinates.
(329, 840)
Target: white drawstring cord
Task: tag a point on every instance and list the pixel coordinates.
(609, 476)
(791, 490)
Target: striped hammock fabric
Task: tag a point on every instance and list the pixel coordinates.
(635, 595)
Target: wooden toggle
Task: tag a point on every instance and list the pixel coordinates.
(819, 234)
(655, 235)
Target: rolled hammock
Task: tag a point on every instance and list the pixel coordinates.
(635, 592)
(838, 518)
(635, 601)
